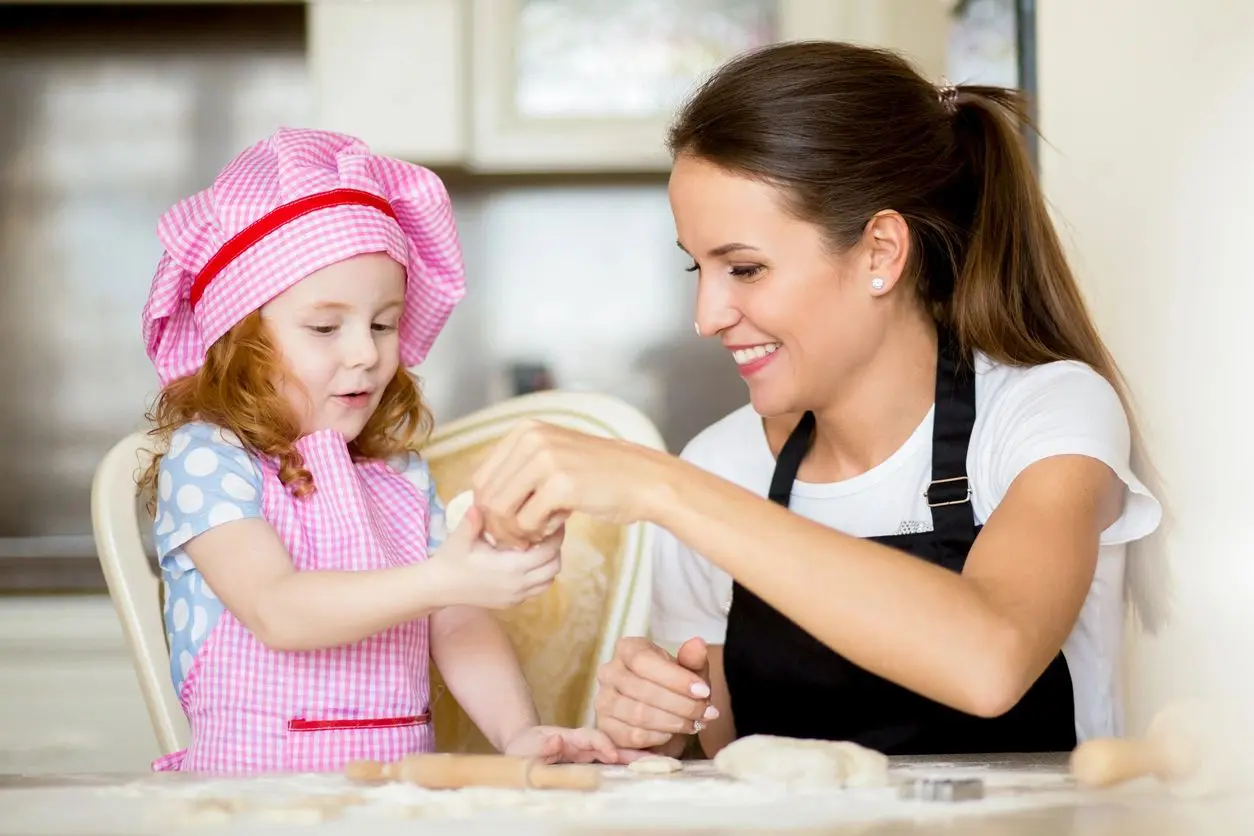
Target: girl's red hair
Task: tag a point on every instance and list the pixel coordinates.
(237, 389)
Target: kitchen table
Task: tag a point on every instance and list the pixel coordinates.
(1028, 794)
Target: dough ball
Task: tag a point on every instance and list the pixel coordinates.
(655, 765)
(818, 764)
(456, 509)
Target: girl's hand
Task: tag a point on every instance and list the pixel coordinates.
(540, 473)
(554, 744)
(473, 573)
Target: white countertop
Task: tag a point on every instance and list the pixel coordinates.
(1023, 795)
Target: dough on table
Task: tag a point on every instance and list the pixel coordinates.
(803, 763)
(655, 765)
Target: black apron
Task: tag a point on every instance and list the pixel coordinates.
(785, 682)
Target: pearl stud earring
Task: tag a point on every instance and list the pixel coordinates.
(696, 327)
(877, 283)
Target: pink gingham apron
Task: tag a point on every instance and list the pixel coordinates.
(253, 709)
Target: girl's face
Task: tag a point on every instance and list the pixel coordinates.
(336, 330)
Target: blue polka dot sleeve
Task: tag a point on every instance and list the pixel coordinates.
(207, 479)
(437, 531)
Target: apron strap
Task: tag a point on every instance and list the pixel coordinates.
(790, 457)
(949, 493)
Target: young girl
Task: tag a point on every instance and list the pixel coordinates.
(308, 579)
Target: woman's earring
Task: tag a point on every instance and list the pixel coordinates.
(877, 284)
(696, 327)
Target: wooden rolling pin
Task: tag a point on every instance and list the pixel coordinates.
(450, 771)
(1183, 747)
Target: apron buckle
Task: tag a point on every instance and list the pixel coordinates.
(954, 497)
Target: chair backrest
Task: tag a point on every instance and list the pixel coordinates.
(133, 586)
(603, 591)
(562, 636)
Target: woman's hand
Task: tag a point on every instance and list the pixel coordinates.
(647, 696)
(554, 744)
(540, 473)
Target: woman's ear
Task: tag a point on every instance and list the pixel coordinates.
(886, 248)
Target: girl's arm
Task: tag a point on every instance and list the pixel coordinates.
(482, 672)
(247, 566)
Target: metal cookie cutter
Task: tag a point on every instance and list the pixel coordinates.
(941, 789)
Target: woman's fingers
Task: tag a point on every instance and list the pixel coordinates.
(630, 737)
(648, 661)
(651, 706)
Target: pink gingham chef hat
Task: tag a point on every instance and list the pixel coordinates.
(294, 203)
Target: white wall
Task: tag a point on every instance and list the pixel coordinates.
(1147, 109)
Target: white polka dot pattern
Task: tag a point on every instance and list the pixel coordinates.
(211, 481)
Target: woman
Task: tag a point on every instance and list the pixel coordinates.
(913, 537)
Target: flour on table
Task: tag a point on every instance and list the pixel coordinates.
(655, 765)
(803, 763)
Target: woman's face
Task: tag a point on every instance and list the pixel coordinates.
(798, 320)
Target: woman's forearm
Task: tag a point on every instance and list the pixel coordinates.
(894, 611)
(478, 663)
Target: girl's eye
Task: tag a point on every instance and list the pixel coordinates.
(323, 329)
(383, 327)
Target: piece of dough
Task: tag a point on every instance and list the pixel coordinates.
(456, 509)
(655, 765)
(803, 763)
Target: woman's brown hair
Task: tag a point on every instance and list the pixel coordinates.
(237, 389)
(846, 132)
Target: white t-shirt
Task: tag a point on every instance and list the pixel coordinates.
(1023, 415)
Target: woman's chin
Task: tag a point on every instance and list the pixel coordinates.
(770, 402)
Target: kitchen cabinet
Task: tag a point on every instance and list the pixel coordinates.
(392, 72)
(494, 85)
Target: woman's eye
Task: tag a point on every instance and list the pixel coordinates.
(747, 271)
(691, 269)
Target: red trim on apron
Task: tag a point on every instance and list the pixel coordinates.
(301, 724)
(274, 219)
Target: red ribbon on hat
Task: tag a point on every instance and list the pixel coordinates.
(276, 218)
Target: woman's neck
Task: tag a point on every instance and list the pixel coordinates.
(879, 409)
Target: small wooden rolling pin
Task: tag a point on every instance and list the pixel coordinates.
(1187, 747)
(450, 771)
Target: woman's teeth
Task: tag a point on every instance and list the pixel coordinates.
(748, 355)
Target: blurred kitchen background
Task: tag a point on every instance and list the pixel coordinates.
(545, 117)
